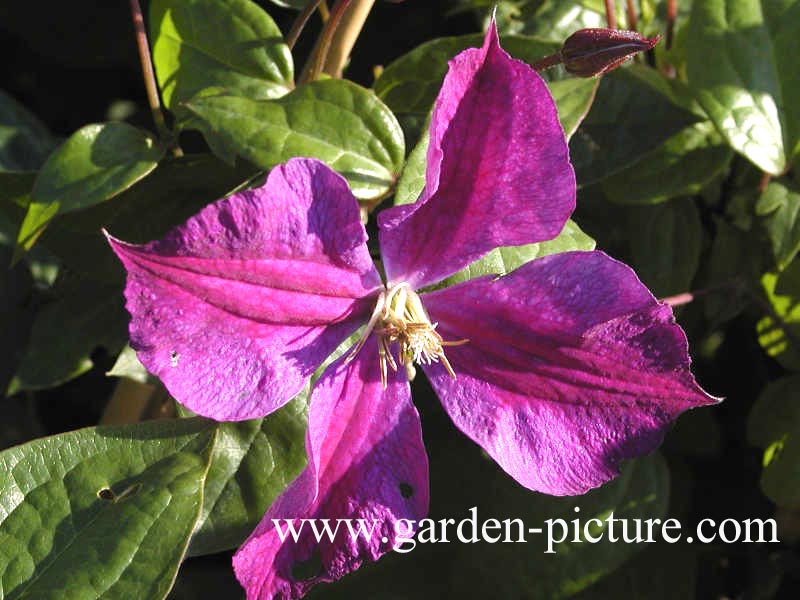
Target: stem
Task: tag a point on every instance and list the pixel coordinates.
(300, 22)
(320, 53)
(324, 13)
(631, 12)
(551, 60)
(672, 13)
(147, 71)
(611, 17)
(346, 35)
(764, 182)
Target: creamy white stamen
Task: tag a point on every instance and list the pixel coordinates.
(400, 317)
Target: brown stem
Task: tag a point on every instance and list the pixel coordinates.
(631, 12)
(549, 61)
(672, 13)
(320, 53)
(147, 71)
(764, 182)
(300, 22)
(611, 17)
(345, 36)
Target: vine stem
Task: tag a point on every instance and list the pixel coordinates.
(672, 14)
(338, 37)
(631, 12)
(300, 22)
(147, 71)
(611, 17)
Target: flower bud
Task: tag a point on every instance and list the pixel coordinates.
(590, 52)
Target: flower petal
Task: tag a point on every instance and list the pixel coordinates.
(237, 307)
(571, 367)
(498, 171)
(366, 461)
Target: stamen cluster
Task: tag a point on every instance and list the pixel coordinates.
(400, 317)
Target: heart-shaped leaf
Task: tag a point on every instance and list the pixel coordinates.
(230, 44)
(740, 77)
(95, 164)
(333, 120)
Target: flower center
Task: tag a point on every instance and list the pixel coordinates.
(400, 317)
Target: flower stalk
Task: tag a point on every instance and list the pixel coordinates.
(300, 22)
(149, 75)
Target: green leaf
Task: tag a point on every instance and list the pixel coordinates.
(735, 268)
(336, 121)
(128, 366)
(412, 179)
(734, 73)
(410, 84)
(95, 164)
(574, 98)
(230, 44)
(681, 166)
(104, 512)
(24, 140)
(665, 245)
(781, 339)
(774, 425)
(779, 209)
(501, 261)
(252, 462)
(630, 117)
(84, 316)
(783, 20)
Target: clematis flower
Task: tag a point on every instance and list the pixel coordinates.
(559, 370)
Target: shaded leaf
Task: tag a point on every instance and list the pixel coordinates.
(84, 316)
(665, 245)
(24, 141)
(735, 267)
(774, 425)
(252, 462)
(779, 209)
(629, 118)
(681, 166)
(95, 164)
(641, 491)
(336, 121)
(230, 44)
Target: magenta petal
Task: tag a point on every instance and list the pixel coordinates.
(366, 461)
(571, 366)
(498, 171)
(237, 307)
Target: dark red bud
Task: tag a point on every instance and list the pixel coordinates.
(590, 52)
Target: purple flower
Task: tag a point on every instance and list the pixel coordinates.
(559, 370)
